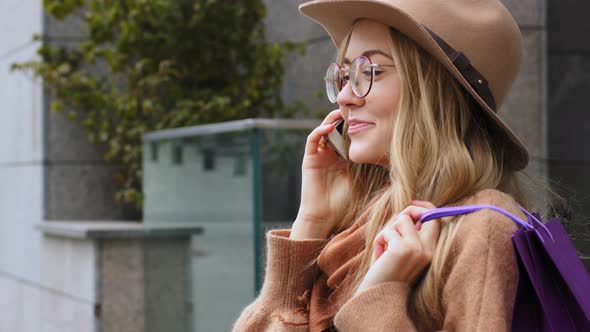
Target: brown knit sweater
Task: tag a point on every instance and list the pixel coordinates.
(478, 295)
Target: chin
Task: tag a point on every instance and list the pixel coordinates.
(361, 155)
(365, 155)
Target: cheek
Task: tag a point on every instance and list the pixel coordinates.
(384, 110)
(385, 96)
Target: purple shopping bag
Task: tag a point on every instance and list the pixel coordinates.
(553, 292)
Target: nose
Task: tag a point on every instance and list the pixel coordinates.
(347, 100)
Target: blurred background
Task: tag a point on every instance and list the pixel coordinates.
(146, 147)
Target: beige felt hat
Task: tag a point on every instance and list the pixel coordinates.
(477, 40)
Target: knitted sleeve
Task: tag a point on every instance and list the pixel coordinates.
(290, 270)
(480, 273)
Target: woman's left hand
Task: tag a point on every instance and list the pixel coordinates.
(403, 248)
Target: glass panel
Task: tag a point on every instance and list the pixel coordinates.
(281, 157)
(194, 180)
(236, 185)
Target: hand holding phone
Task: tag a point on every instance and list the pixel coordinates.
(325, 190)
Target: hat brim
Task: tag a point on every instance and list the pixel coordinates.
(338, 16)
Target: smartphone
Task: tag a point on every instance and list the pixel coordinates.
(336, 140)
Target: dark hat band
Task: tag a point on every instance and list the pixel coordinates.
(462, 63)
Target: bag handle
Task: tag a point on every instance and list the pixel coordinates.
(457, 210)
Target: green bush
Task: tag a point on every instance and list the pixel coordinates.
(146, 65)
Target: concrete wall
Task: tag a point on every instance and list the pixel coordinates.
(569, 110)
(525, 108)
(79, 184)
(46, 285)
(304, 75)
(21, 166)
(21, 144)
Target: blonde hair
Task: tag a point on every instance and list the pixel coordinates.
(441, 151)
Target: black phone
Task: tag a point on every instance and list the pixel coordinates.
(336, 140)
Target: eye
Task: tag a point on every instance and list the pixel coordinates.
(378, 72)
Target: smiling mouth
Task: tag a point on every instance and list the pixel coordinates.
(357, 127)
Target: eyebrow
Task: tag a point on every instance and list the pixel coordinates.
(369, 53)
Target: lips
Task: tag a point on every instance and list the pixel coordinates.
(354, 126)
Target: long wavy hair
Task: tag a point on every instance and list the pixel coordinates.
(442, 150)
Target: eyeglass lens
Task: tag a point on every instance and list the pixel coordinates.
(360, 76)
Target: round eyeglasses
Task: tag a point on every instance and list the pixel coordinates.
(361, 75)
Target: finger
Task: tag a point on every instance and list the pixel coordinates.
(424, 204)
(429, 234)
(323, 143)
(414, 211)
(404, 225)
(332, 117)
(384, 239)
(313, 139)
(379, 246)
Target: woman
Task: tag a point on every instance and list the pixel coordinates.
(421, 132)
